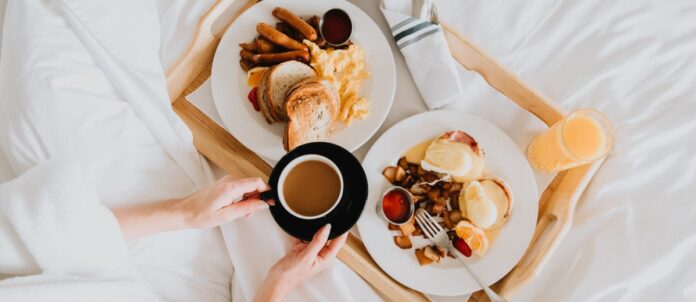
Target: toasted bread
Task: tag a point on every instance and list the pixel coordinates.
(311, 111)
(261, 99)
(280, 78)
(317, 80)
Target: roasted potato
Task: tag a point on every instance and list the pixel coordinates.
(393, 227)
(441, 251)
(413, 168)
(422, 259)
(390, 174)
(454, 200)
(407, 228)
(430, 177)
(400, 174)
(408, 182)
(455, 216)
(433, 194)
(446, 218)
(403, 163)
(438, 208)
(420, 189)
(430, 253)
(403, 242)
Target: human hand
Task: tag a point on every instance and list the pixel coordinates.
(303, 261)
(227, 199)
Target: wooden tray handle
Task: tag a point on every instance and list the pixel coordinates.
(472, 58)
(201, 49)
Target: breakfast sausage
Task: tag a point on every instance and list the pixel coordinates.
(296, 22)
(289, 31)
(246, 65)
(314, 22)
(278, 38)
(246, 54)
(251, 46)
(265, 46)
(275, 58)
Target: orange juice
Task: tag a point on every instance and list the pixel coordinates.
(582, 137)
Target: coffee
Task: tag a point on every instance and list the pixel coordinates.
(311, 188)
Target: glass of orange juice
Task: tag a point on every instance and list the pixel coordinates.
(582, 137)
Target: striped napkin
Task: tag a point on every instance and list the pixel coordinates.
(425, 49)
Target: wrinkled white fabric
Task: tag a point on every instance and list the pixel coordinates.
(72, 245)
(58, 102)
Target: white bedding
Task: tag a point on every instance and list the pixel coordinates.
(634, 237)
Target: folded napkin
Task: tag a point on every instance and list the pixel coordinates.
(425, 49)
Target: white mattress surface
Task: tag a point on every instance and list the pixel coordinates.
(634, 234)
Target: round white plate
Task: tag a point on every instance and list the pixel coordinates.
(504, 160)
(230, 89)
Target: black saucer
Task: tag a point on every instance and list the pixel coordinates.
(349, 208)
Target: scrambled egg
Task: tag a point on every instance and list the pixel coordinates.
(345, 68)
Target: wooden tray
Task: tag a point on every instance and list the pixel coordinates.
(556, 205)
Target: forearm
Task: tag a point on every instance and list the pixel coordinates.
(272, 290)
(147, 219)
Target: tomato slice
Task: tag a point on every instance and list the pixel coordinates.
(253, 99)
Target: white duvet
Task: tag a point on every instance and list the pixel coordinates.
(634, 234)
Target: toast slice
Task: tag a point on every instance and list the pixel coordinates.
(280, 78)
(261, 99)
(311, 113)
(317, 80)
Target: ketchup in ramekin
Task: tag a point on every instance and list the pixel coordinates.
(397, 205)
(336, 27)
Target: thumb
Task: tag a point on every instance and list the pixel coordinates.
(318, 242)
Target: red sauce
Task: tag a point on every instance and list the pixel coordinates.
(395, 206)
(337, 27)
(253, 99)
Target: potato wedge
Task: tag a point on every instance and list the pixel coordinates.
(403, 163)
(408, 228)
(433, 194)
(390, 174)
(422, 260)
(400, 174)
(446, 219)
(393, 227)
(430, 253)
(420, 189)
(403, 242)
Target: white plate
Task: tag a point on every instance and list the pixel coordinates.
(504, 160)
(230, 89)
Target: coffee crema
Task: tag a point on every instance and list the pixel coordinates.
(311, 188)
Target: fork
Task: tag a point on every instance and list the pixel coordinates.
(437, 235)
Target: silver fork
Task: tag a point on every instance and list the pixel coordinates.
(437, 235)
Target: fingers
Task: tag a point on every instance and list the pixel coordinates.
(332, 248)
(318, 242)
(242, 208)
(247, 185)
